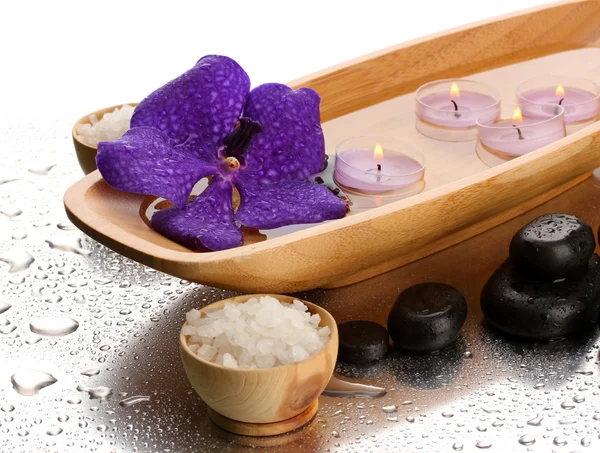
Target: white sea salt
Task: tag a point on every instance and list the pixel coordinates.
(259, 333)
(110, 127)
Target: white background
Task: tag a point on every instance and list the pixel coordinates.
(60, 58)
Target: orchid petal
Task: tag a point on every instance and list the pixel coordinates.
(291, 143)
(144, 161)
(205, 223)
(200, 107)
(282, 203)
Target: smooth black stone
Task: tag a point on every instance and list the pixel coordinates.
(362, 341)
(516, 305)
(427, 317)
(552, 247)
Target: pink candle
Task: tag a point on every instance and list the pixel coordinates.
(515, 137)
(579, 97)
(449, 109)
(377, 166)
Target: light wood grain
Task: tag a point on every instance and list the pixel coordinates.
(462, 198)
(263, 395)
(265, 429)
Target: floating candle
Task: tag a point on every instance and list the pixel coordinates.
(579, 97)
(377, 166)
(541, 125)
(448, 109)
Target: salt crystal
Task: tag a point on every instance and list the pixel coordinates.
(229, 360)
(207, 352)
(260, 333)
(192, 315)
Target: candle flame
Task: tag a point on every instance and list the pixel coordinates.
(560, 91)
(517, 116)
(378, 152)
(454, 91)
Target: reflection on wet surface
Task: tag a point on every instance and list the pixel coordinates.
(95, 335)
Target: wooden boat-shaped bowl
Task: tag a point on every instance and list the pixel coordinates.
(375, 95)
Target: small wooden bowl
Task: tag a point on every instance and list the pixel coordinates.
(262, 395)
(86, 154)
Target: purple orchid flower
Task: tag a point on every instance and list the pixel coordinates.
(265, 142)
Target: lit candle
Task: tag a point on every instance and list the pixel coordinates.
(579, 97)
(377, 166)
(449, 109)
(519, 135)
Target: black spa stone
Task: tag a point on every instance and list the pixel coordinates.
(517, 305)
(362, 341)
(552, 247)
(427, 317)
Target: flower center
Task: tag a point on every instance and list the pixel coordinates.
(237, 142)
(232, 163)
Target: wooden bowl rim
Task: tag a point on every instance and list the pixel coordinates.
(85, 120)
(331, 322)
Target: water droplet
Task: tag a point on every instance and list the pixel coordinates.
(55, 431)
(102, 281)
(337, 413)
(41, 170)
(568, 405)
(91, 372)
(482, 429)
(457, 446)
(74, 401)
(389, 409)
(406, 403)
(7, 408)
(497, 424)
(96, 393)
(134, 400)
(54, 327)
(33, 340)
(536, 421)
(10, 211)
(7, 329)
(392, 419)
(68, 244)
(539, 386)
(526, 440)
(596, 417)
(467, 355)
(567, 421)
(53, 299)
(17, 259)
(335, 434)
(102, 428)
(585, 372)
(410, 419)
(29, 382)
(83, 424)
(447, 414)
(585, 442)
(579, 398)
(23, 432)
(19, 235)
(560, 441)
(63, 418)
(483, 444)
(4, 306)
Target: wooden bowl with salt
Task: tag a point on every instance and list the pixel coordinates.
(268, 401)
(86, 153)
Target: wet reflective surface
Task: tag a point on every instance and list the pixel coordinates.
(88, 344)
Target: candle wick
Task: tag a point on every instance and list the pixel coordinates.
(519, 132)
(560, 102)
(456, 113)
(379, 167)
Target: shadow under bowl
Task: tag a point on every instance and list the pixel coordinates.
(265, 395)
